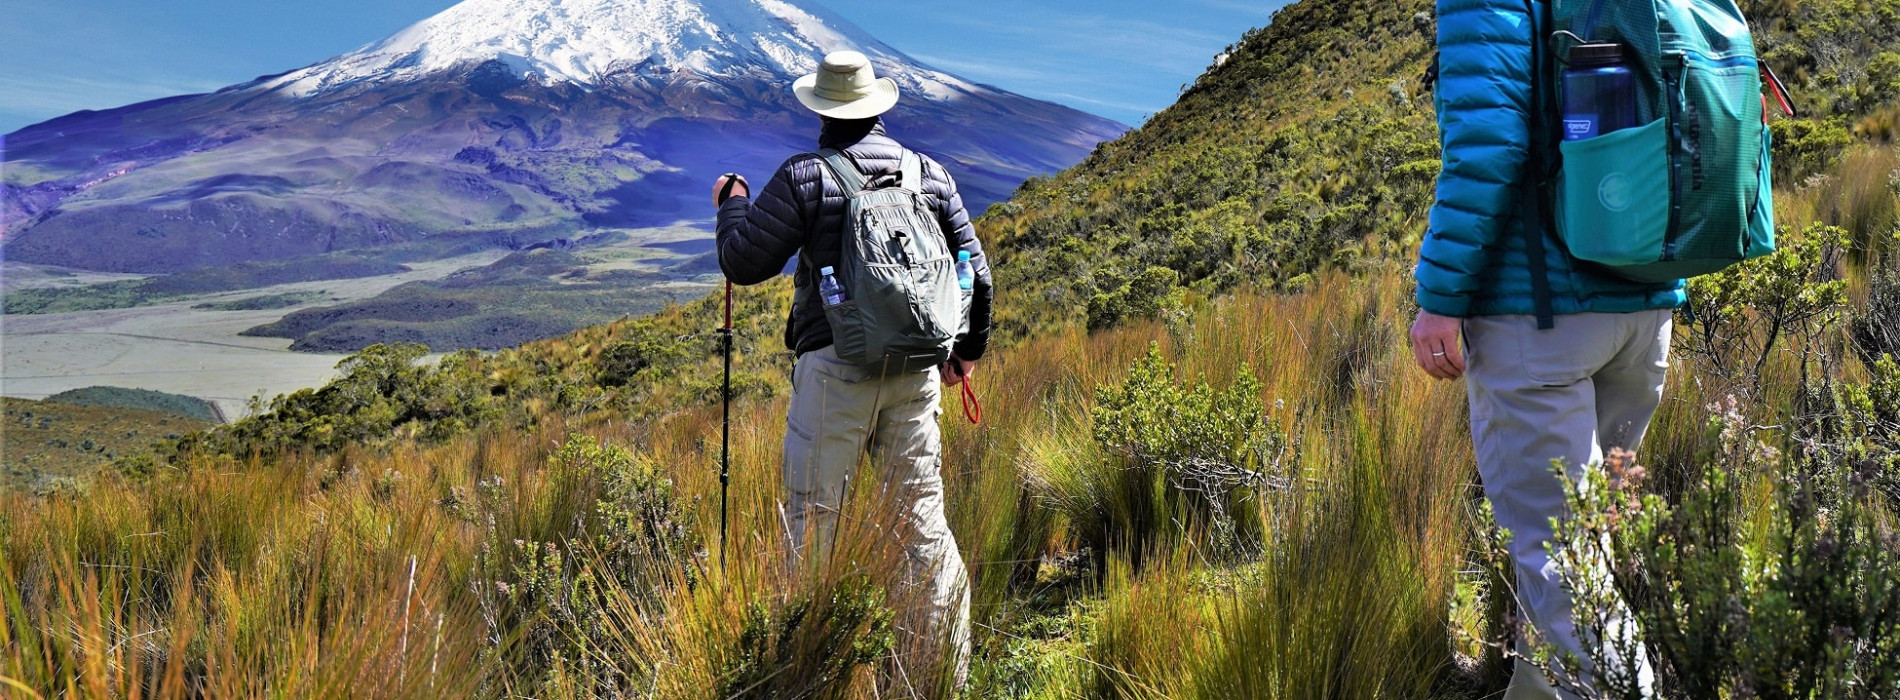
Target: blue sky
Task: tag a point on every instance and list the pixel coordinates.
(1120, 59)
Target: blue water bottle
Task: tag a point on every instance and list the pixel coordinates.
(1599, 92)
(966, 274)
(829, 288)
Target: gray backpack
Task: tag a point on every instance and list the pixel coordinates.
(903, 308)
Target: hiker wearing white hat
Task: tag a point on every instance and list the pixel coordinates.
(868, 377)
(845, 87)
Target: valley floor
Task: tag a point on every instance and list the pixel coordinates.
(174, 347)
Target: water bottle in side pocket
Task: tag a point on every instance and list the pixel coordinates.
(1599, 92)
(829, 288)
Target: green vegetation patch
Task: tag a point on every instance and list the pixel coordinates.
(524, 297)
(266, 302)
(141, 399)
(53, 446)
(127, 294)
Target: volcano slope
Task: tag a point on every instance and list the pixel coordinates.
(494, 123)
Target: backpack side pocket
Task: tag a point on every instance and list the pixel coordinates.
(848, 332)
(1613, 196)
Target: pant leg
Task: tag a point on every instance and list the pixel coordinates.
(826, 429)
(908, 448)
(1532, 403)
(1630, 387)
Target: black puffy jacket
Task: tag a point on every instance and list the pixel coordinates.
(802, 211)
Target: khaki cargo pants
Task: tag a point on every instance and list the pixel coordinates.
(839, 411)
(1570, 393)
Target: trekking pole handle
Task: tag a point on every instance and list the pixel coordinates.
(732, 180)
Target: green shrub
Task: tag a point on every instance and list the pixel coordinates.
(1172, 460)
(1794, 597)
(1144, 296)
(1744, 313)
(1876, 328)
(809, 647)
(1807, 146)
(621, 362)
(548, 577)
(382, 393)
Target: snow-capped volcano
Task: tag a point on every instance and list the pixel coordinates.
(495, 122)
(590, 42)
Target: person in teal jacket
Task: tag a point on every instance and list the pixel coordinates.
(1567, 394)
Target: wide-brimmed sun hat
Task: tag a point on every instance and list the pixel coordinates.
(845, 88)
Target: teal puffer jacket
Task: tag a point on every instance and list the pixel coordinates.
(1473, 261)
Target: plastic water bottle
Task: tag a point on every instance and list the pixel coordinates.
(966, 274)
(829, 288)
(1599, 92)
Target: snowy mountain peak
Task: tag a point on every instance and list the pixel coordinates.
(588, 41)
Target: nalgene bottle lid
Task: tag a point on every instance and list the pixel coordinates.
(1596, 55)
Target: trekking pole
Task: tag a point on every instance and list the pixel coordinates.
(725, 426)
(725, 399)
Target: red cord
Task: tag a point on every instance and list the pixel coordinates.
(972, 408)
(1780, 91)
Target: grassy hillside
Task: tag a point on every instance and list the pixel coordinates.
(141, 399)
(1310, 143)
(1208, 468)
(50, 446)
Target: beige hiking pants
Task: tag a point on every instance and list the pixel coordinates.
(839, 411)
(1571, 394)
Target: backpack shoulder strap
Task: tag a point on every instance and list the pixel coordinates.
(842, 168)
(1532, 195)
(912, 169)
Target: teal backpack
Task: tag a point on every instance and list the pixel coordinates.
(1687, 190)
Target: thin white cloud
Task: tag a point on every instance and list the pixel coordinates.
(1069, 98)
(32, 99)
(990, 71)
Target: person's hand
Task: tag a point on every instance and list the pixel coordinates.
(957, 369)
(740, 189)
(1435, 345)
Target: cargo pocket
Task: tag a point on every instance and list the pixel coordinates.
(848, 336)
(1761, 219)
(1613, 196)
(1554, 360)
